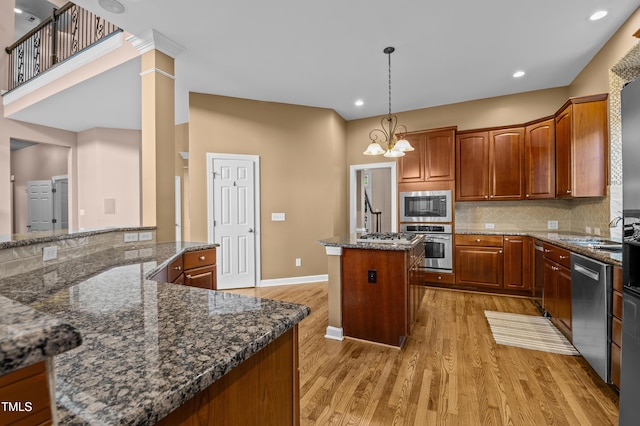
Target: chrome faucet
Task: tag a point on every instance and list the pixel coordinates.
(615, 221)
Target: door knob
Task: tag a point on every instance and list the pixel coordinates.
(250, 230)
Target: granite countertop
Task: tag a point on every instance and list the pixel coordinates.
(349, 241)
(146, 347)
(555, 238)
(20, 240)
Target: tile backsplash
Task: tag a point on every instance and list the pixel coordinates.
(532, 215)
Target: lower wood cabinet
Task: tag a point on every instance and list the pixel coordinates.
(25, 396)
(194, 268)
(497, 262)
(556, 298)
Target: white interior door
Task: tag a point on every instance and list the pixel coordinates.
(40, 205)
(61, 202)
(234, 225)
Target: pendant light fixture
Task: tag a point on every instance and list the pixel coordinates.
(385, 139)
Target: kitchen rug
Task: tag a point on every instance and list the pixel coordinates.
(529, 332)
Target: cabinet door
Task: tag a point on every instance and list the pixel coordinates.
(411, 165)
(564, 299)
(563, 152)
(472, 165)
(590, 149)
(540, 160)
(550, 288)
(517, 263)
(479, 266)
(506, 162)
(201, 277)
(439, 155)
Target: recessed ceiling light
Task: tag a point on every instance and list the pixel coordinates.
(518, 74)
(113, 6)
(16, 10)
(359, 102)
(598, 15)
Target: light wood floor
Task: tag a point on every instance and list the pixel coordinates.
(449, 372)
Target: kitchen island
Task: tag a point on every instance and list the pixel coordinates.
(372, 291)
(151, 350)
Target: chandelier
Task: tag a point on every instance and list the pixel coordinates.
(385, 139)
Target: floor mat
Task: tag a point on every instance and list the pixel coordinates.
(529, 332)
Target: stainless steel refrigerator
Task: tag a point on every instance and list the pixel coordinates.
(630, 370)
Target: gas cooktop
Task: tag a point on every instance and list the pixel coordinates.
(388, 237)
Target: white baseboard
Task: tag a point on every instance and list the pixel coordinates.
(334, 333)
(294, 280)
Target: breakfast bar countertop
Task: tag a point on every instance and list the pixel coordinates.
(350, 241)
(147, 347)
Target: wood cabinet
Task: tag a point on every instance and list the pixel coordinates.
(616, 326)
(433, 158)
(582, 146)
(490, 165)
(540, 160)
(379, 301)
(479, 260)
(556, 294)
(518, 269)
(472, 165)
(194, 268)
(500, 263)
(27, 390)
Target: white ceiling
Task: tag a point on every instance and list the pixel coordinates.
(329, 54)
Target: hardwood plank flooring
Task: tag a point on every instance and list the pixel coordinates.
(450, 371)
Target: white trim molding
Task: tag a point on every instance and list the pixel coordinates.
(352, 192)
(159, 71)
(151, 39)
(334, 333)
(294, 280)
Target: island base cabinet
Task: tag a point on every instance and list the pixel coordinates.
(25, 397)
(263, 390)
(375, 295)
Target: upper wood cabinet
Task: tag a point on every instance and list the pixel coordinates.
(490, 165)
(582, 144)
(433, 158)
(540, 160)
(472, 165)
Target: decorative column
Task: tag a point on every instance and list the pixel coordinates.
(158, 132)
(334, 329)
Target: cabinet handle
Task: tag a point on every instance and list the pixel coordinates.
(564, 257)
(202, 257)
(491, 196)
(555, 268)
(527, 195)
(439, 277)
(547, 251)
(500, 252)
(177, 268)
(568, 191)
(506, 239)
(188, 277)
(477, 240)
(486, 196)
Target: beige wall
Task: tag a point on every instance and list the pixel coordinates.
(303, 174)
(108, 169)
(37, 162)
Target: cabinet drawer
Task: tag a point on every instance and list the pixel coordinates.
(479, 240)
(617, 304)
(196, 259)
(616, 331)
(557, 254)
(174, 269)
(615, 364)
(201, 277)
(437, 277)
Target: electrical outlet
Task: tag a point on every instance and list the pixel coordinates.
(587, 229)
(372, 276)
(489, 226)
(298, 262)
(552, 224)
(130, 237)
(145, 236)
(49, 253)
(596, 231)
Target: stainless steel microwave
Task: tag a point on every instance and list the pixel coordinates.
(426, 206)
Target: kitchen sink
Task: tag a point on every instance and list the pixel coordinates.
(594, 243)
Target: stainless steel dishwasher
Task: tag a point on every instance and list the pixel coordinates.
(591, 311)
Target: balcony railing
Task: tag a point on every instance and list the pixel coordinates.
(68, 31)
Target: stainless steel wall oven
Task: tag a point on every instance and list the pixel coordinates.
(438, 245)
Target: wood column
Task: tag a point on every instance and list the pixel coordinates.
(158, 144)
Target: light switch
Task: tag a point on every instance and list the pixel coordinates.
(277, 217)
